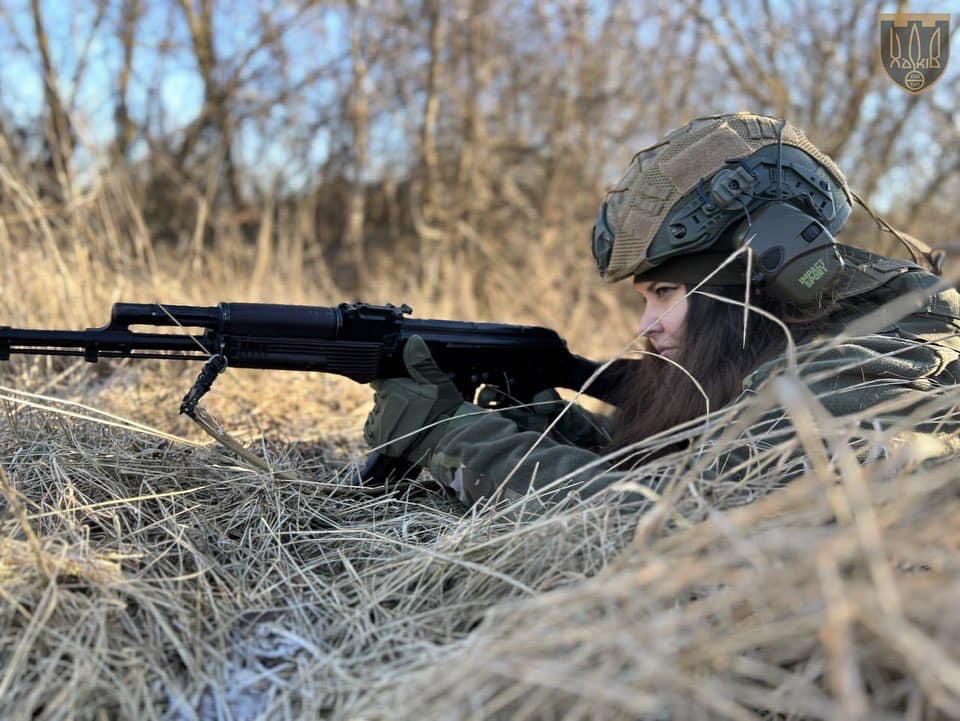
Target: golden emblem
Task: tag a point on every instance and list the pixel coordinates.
(914, 48)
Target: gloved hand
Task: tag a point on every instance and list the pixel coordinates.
(403, 406)
(577, 426)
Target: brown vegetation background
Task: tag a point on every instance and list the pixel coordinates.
(451, 151)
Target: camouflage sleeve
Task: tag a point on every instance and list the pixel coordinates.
(491, 457)
(856, 375)
(872, 382)
(590, 430)
(575, 426)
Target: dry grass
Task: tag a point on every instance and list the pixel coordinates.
(150, 574)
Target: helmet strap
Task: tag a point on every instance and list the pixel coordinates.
(921, 253)
(780, 127)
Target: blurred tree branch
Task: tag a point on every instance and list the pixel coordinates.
(408, 132)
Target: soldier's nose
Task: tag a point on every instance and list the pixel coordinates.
(650, 324)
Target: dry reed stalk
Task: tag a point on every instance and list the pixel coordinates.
(145, 576)
(247, 593)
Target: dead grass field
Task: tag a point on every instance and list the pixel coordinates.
(146, 572)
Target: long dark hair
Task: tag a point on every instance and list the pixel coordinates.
(657, 395)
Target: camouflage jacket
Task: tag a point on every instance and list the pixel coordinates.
(875, 357)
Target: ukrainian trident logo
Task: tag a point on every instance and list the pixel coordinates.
(914, 48)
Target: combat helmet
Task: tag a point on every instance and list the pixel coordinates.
(720, 183)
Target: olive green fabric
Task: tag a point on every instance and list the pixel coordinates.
(404, 409)
(894, 369)
(566, 422)
(696, 268)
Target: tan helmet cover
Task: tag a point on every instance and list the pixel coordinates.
(661, 175)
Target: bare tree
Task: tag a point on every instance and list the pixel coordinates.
(215, 113)
(463, 134)
(358, 111)
(125, 131)
(59, 138)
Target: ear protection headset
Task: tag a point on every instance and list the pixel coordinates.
(794, 256)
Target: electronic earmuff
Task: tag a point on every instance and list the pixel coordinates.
(794, 256)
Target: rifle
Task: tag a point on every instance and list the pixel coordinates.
(357, 340)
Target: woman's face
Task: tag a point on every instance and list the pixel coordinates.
(664, 320)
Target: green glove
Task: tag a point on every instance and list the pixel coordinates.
(403, 406)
